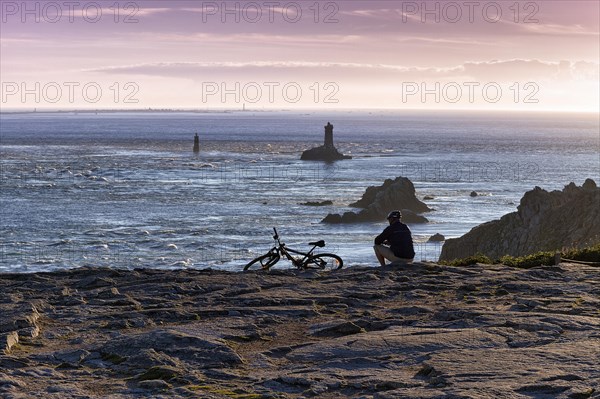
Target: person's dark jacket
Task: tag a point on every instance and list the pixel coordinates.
(400, 239)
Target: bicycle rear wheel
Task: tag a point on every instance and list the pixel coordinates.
(325, 262)
(263, 262)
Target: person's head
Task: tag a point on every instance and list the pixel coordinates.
(394, 216)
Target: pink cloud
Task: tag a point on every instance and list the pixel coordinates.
(489, 71)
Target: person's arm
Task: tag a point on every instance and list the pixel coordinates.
(381, 238)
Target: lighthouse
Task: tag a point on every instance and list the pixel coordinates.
(327, 152)
(196, 144)
(329, 135)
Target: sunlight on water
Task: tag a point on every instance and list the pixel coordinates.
(122, 191)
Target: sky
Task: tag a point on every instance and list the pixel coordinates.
(462, 55)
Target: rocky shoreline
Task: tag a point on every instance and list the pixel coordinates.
(422, 331)
(544, 221)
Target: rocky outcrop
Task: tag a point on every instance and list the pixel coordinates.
(323, 153)
(317, 203)
(377, 202)
(419, 331)
(20, 322)
(437, 237)
(544, 221)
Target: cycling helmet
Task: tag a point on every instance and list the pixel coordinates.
(394, 215)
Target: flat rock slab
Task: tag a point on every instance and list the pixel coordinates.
(417, 331)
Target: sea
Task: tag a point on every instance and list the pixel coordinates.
(125, 190)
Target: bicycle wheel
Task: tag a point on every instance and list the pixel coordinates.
(324, 261)
(263, 262)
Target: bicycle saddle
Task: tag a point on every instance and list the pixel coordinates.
(319, 244)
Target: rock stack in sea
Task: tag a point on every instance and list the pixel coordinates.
(326, 152)
(377, 202)
(544, 221)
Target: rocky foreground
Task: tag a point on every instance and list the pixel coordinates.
(424, 331)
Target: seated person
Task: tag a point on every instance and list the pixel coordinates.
(399, 239)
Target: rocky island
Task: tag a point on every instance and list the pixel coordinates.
(377, 202)
(421, 331)
(327, 152)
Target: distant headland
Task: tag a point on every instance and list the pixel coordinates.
(129, 111)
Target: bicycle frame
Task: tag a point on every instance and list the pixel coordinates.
(285, 251)
(308, 260)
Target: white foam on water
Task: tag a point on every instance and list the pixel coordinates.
(152, 203)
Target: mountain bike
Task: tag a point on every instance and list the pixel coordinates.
(306, 260)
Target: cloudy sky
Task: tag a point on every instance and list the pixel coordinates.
(540, 56)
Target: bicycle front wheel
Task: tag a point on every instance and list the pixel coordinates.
(325, 262)
(263, 262)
